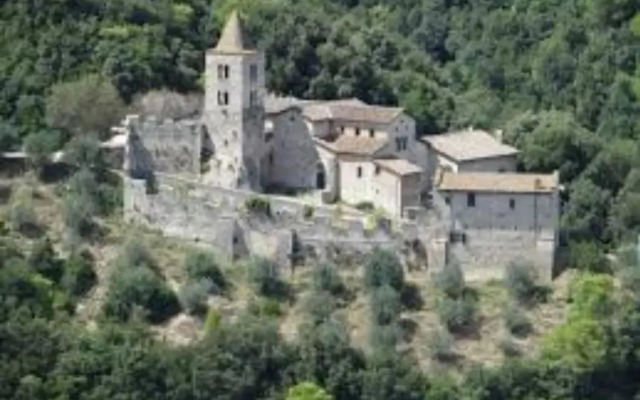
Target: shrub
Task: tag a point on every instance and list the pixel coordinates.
(521, 282)
(630, 278)
(139, 287)
(457, 314)
(23, 218)
(592, 296)
(384, 337)
(516, 320)
(365, 206)
(383, 267)
(212, 321)
(320, 306)
(265, 276)
(308, 211)
(586, 256)
(78, 216)
(258, 205)
(135, 254)
(326, 278)
(510, 348)
(307, 391)
(385, 305)
(201, 265)
(84, 152)
(193, 296)
(450, 280)
(40, 146)
(440, 345)
(44, 261)
(79, 276)
(265, 307)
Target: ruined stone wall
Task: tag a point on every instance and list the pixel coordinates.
(485, 254)
(218, 216)
(164, 147)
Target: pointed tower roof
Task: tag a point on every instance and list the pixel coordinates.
(233, 38)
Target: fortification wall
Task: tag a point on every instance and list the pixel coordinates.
(161, 147)
(485, 254)
(183, 208)
(218, 216)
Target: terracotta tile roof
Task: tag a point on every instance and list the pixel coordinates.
(468, 145)
(351, 110)
(354, 145)
(398, 166)
(496, 182)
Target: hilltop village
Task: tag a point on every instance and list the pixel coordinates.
(319, 165)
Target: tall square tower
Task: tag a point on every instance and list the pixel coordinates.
(234, 109)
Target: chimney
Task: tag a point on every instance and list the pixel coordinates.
(499, 133)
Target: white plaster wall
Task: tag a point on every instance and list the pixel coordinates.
(354, 189)
(349, 128)
(403, 126)
(492, 211)
(386, 193)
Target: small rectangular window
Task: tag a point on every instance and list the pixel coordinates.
(253, 98)
(372, 133)
(447, 200)
(342, 129)
(512, 204)
(225, 98)
(471, 199)
(359, 172)
(377, 170)
(226, 71)
(357, 131)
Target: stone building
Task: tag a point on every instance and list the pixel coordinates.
(454, 195)
(471, 150)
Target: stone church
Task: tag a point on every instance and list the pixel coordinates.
(344, 149)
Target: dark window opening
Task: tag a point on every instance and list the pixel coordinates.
(253, 98)
(226, 71)
(372, 133)
(359, 172)
(377, 169)
(512, 204)
(253, 73)
(447, 200)
(471, 200)
(357, 131)
(225, 98)
(271, 158)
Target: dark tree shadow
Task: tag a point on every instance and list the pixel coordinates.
(411, 298)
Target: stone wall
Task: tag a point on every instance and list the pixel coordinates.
(163, 147)
(217, 216)
(485, 254)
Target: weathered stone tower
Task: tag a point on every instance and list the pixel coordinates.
(234, 110)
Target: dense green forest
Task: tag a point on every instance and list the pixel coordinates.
(561, 77)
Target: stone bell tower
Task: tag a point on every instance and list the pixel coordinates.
(234, 110)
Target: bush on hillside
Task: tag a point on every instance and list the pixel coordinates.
(320, 306)
(136, 254)
(459, 314)
(79, 276)
(200, 266)
(520, 280)
(23, 218)
(382, 267)
(385, 305)
(384, 337)
(79, 214)
(258, 205)
(326, 279)
(130, 288)
(440, 346)
(450, 280)
(516, 320)
(43, 260)
(264, 274)
(193, 296)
